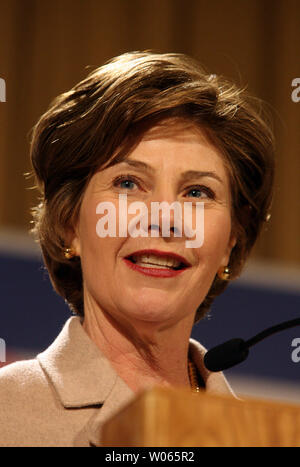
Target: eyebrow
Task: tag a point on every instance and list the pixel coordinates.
(185, 176)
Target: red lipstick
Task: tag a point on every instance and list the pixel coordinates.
(157, 272)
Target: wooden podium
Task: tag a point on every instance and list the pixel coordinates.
(178, 418)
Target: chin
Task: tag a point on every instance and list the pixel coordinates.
(153, 310)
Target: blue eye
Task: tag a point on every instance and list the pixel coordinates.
(201, 192)
(196, 193)
(125, 182)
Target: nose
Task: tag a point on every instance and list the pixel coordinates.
(165, 215)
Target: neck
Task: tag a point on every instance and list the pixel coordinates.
(142, 354)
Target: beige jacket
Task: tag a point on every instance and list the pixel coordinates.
(64, 395)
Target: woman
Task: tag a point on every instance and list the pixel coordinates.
(144, 128)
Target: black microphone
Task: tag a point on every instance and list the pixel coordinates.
(235, 351)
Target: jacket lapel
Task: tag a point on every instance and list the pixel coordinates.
(83, 377)
(80, 374)
(120, 396)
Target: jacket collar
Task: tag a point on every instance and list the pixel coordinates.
(79, 372)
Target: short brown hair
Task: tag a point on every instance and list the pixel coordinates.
(98, 122)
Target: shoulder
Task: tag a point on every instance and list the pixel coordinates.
(20, 376)
(24, 393)
(20, 383)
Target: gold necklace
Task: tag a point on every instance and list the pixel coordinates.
(193, 376)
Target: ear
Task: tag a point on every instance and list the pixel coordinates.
(72, 239)
(231, 244)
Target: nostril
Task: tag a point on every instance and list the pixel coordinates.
(175, 230)
(154, 227)
(172, 229)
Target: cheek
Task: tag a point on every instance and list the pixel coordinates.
(87, 228)
(217, 230)
(94, 250)
(99, 256)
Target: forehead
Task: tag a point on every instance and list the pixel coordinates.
(178, 130)
(178, 143)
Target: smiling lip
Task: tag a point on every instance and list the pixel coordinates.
(159, 272)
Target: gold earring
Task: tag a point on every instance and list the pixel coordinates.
(224, 273)
(69, 253)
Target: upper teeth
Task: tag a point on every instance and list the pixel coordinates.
(158, 260)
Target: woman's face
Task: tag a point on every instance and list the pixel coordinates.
(158, 169)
